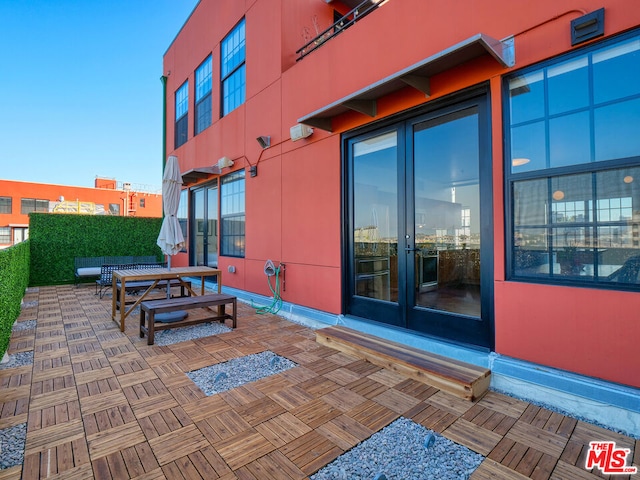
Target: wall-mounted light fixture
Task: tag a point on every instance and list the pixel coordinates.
(587, 27)
(224, 162)
(264, 141)
(300, 131)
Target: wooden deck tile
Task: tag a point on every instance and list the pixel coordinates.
(373, 415)
(50, 399)
(541, 440)
(290, 397)
(319, 386)
(177, 444)
(344, 431)
(472, 436)
(431, 417)
(282, 429)
(491, 470)
(311, 452)
(397, 401)
(243, 448)
(206, 407)
(274, 466)
(316, 412)
(222, 426)
(102, 401)
(49, 437)
(108, 441)
(260, 410)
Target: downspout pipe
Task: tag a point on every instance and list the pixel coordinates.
(163, 79)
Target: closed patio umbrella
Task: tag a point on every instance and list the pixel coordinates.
(170, 239)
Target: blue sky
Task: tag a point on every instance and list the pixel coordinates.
(80, 88)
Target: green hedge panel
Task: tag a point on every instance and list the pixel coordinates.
(57, 239)
(14, 279)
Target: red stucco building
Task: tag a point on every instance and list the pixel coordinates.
(108, 197)
(459, 176)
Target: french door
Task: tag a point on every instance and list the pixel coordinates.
(419, 242)
(204, 226)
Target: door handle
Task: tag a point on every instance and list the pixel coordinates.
(409, 249)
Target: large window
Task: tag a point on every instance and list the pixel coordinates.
(28, 205)
(232, 234)
(5, 204)
(182, 117)
(203, 96)
(233, 69)
(574, 168)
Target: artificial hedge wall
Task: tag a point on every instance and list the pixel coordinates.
(14, 279)
(57, 239)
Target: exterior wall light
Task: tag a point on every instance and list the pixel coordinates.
(264, 141)
(224, 162)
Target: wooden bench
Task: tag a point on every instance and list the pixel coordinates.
(149, 309)
(458, 378)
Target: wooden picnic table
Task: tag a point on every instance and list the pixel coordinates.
(155, 275)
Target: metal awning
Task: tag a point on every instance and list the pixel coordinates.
(192, 176)
(416, 76)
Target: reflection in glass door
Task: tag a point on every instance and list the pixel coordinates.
(446, 194)
(204, 226)
(419, 248)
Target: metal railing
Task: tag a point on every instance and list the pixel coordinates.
(344, 22)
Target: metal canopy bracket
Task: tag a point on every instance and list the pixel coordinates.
(367, 107)
(416, 76)
(418, 82)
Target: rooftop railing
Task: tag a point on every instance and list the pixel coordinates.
(338, 27)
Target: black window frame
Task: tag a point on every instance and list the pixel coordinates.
(232, 224)
(592, 167)
(227, 74)
(202, 100)
(181, 133)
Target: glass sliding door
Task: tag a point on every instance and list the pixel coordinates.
(204, 226)
(419, 247)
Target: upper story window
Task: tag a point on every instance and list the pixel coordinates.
(5, 204)
(203, 96)
(233, 69)
(28, 205)
(182, 110)
(573, 180)
(232, 215)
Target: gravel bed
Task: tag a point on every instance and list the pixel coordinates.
(235, 373)
(12, 441)
(26, 325)
(400, 452)
(18, 360)
(182, 334)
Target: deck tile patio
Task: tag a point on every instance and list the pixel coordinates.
(103, 404)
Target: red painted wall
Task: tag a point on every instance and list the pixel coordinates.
(293, 205)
